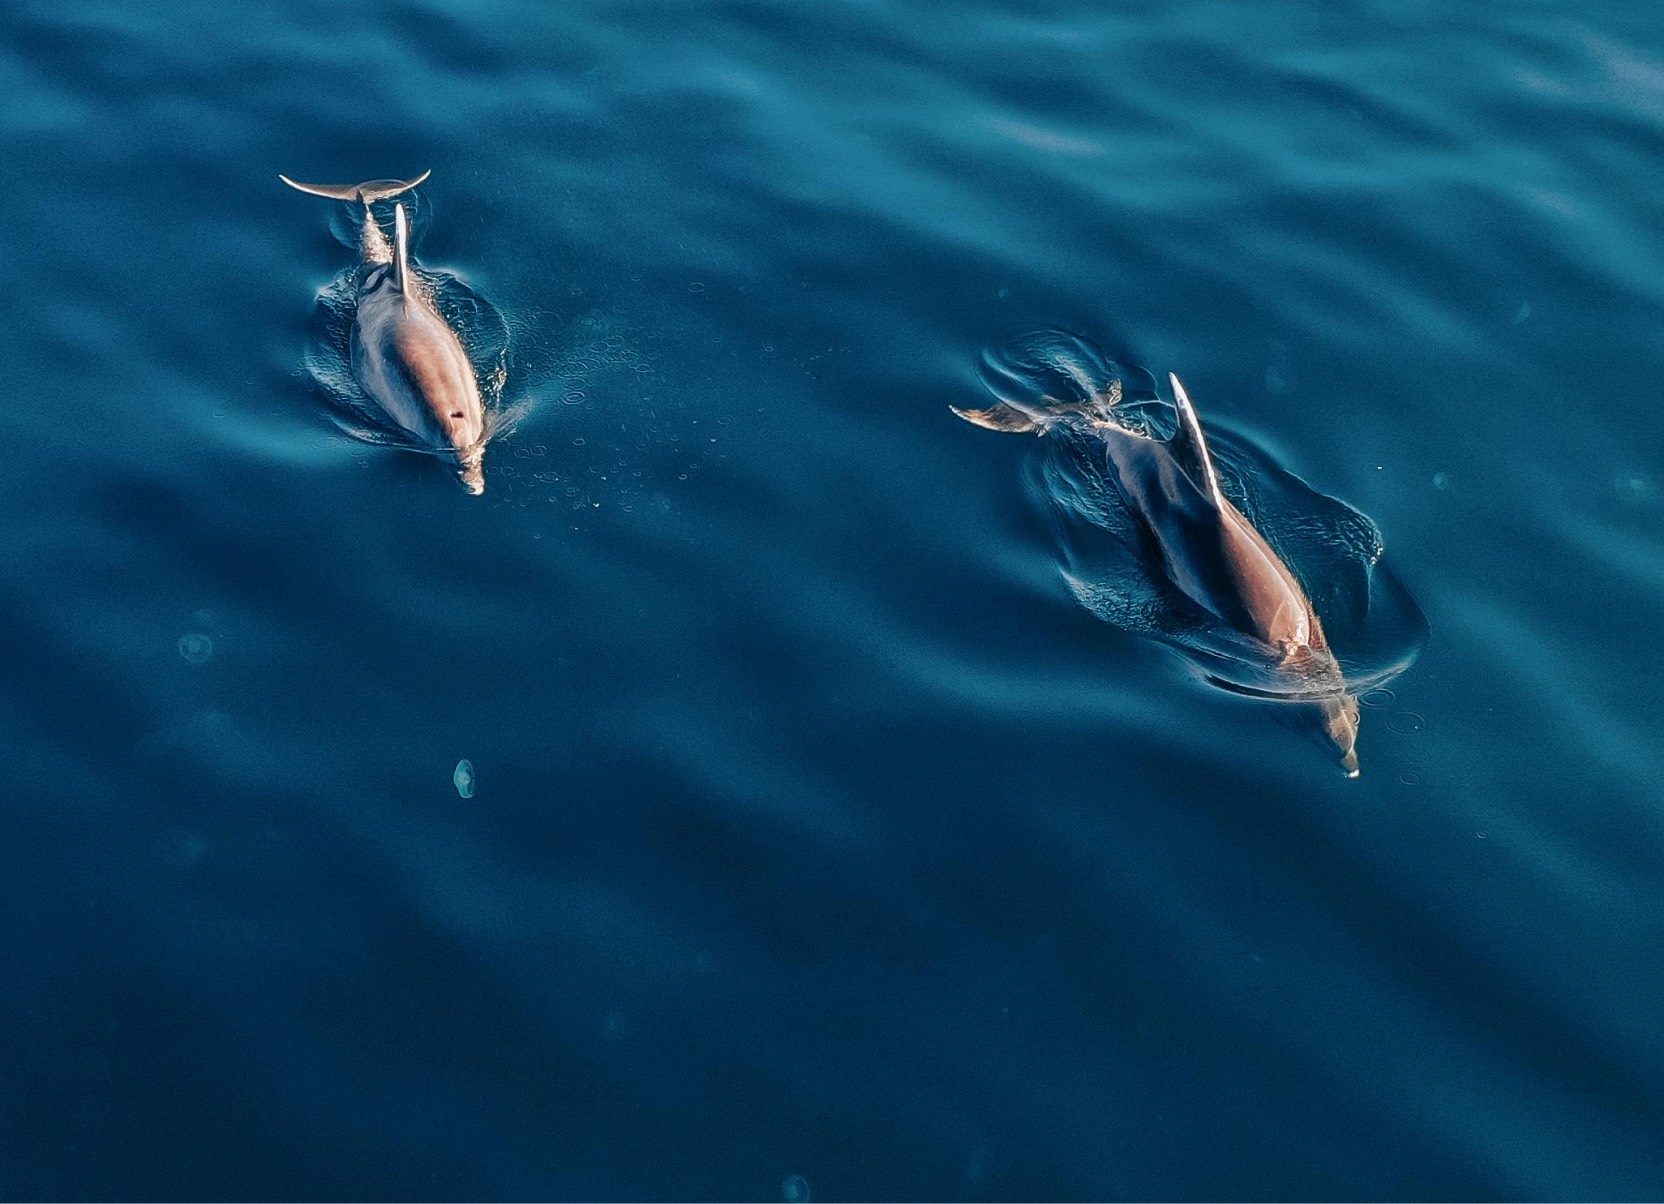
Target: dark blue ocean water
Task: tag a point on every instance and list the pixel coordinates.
(823, 844)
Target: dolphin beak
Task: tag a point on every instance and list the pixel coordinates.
(471, 470)
(1341, 715)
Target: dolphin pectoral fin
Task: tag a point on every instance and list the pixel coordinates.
(1001, 418)
(401, 248)
(1189, 446)
(368, 192)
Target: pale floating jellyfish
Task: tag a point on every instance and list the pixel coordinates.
(464, 778)
(794, 1189)
(196, 648)
(185, 849)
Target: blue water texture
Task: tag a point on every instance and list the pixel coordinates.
(818, 837)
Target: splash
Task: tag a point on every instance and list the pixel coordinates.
(1112, 565)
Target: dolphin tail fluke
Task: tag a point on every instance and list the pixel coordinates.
(1027, 418)
(1002, 417)
(368, 192)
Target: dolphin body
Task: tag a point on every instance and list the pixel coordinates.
(404, 354)
(1208, 548)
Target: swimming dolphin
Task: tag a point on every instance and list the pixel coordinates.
(1208, 548)
(404, 354)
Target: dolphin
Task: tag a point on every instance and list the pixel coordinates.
(1209, 550)
(404, 354)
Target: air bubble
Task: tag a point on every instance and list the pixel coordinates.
(1378, 697)
(185, 849)
(1406, 723)
(196, 648)
(1632, 489)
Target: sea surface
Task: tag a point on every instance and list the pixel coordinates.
(819, 843)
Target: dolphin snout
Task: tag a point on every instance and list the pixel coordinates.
(471, 470)
(1341, 721)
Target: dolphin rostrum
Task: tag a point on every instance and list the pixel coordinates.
(1208, 548)
(404, 354)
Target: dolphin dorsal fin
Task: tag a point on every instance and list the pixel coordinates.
(1190, 448)
(401, 249)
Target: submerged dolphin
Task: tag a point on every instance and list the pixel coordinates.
(1208, 548)
(404, 354)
